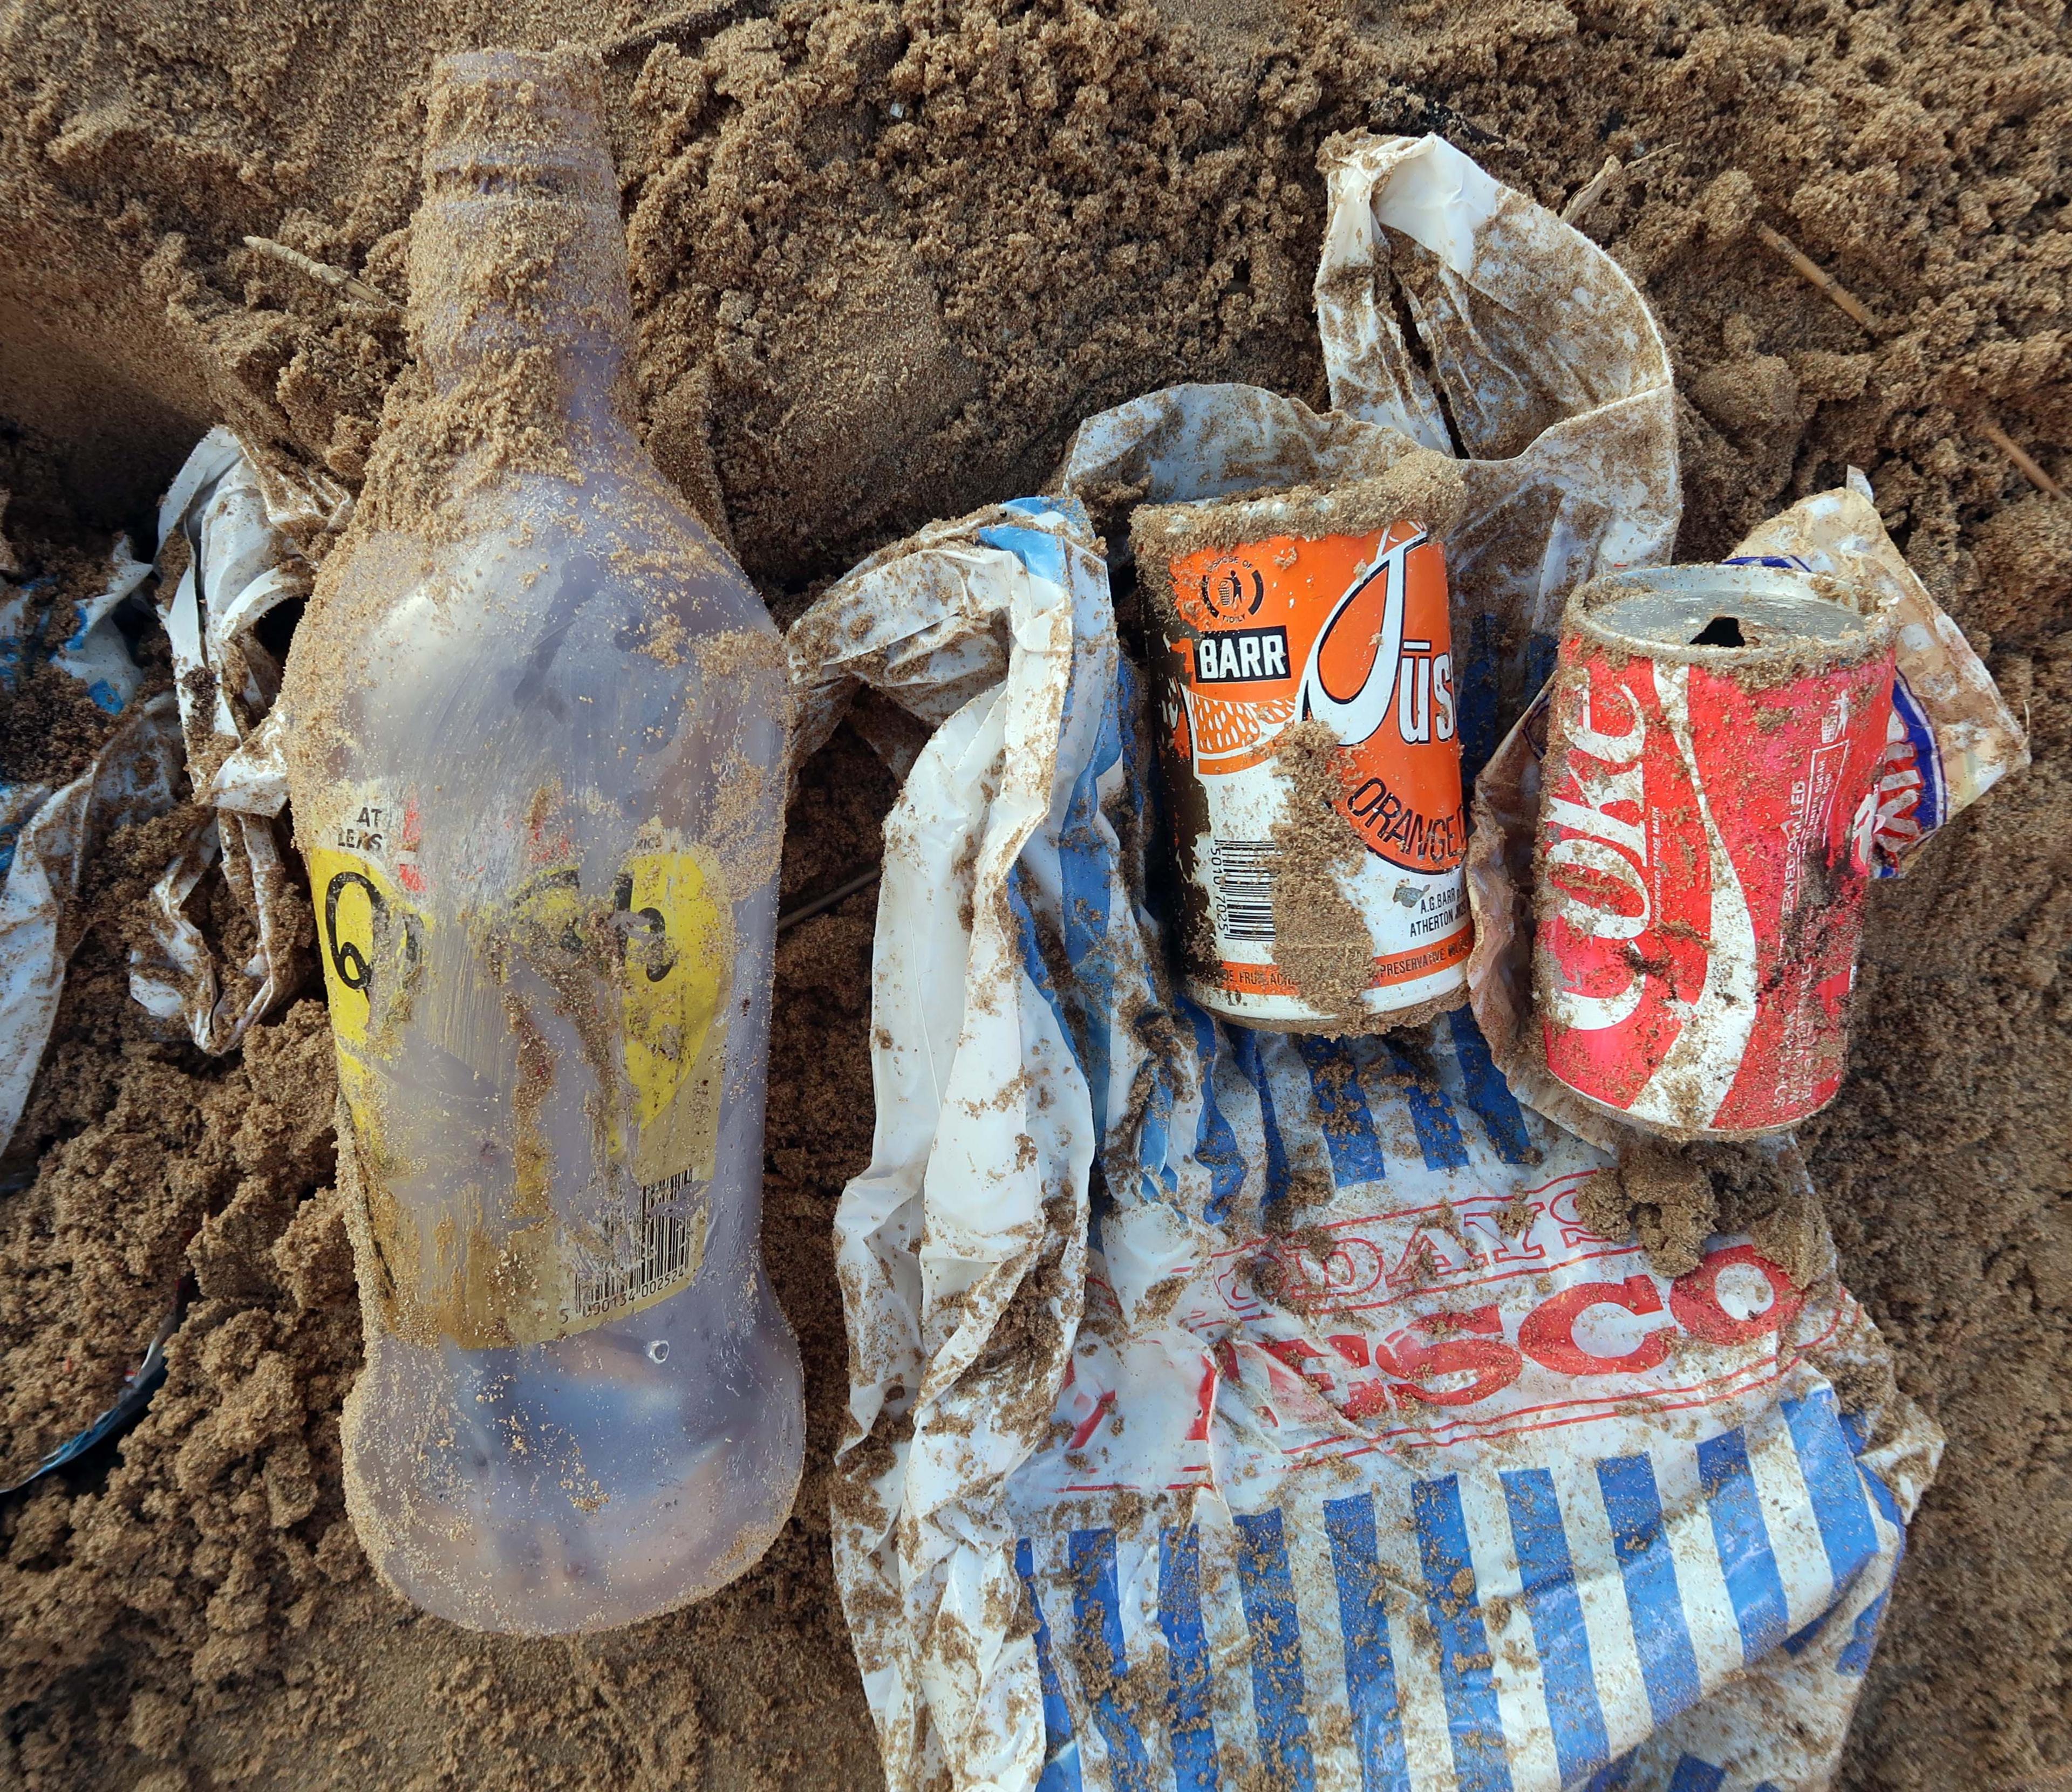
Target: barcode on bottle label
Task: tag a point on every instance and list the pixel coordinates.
(671, 1241)
(1241, 874)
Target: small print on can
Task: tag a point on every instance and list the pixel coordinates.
(1258, 630)
(1708, 803)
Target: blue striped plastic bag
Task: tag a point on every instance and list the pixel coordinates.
(1234, 1410)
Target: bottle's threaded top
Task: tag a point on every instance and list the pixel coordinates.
(513, 120)
(518, 244)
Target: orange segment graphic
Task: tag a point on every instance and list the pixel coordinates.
(1229, 735)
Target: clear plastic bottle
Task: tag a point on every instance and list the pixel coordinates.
(537, 760)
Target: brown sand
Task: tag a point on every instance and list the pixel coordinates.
(885, 257)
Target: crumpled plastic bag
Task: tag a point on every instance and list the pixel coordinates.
(1232, 1409)
(1952, 738)
(42, 920)
(95, 652)
(233, 528)
(230, 529)
(46, 836)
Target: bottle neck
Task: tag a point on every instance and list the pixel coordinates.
(519, 299)
(520, 308)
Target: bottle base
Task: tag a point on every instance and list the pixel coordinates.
(476, 1500)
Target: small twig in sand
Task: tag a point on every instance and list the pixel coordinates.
(806, 911)
(323, 273)
(1586, 196)
(2016, 452)
(698, 21)
(1815, 276)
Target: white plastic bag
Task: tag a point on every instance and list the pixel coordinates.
(41, 919)
(229, 527)
(46, 836)
(1233, 1409)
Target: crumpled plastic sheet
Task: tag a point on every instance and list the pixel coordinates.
(45, 834)
(1951, 739)
(94, 653)
(1952, 736)
(1232, 1409)
(229, 526)
(130, 779)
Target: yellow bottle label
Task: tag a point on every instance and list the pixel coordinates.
(371, 938)
(480, 1235)
(679, 961)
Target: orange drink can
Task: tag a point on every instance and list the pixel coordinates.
(1303, 668)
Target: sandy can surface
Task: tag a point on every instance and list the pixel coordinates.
(1302, 664)
(1707, 809)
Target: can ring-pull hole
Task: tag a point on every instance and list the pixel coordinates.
(1722, 631)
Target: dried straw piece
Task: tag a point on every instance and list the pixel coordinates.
(2016, 452)
(321, 271)
(840, 892)
(1817, 276)
(698, 22)
(1585, 200)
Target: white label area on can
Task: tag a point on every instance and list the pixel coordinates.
(1418, 920)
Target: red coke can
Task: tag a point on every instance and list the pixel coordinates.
(1707, 801)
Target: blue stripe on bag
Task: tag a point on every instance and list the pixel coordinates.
(1741, 1540)
(1037, 549)
(1085, 868)
(1613, 1775)
(1031, 953)
(1694, 1775)
(1574, 1709)
(1668, 1667)
(1097, 1620)
(1855, 1657)
(1061, 1754)
(1215, 1140)
(1927, 755)
(1466, 1674)
(1488, 1093)
(1267, 1591)
(1245, 1055)
(1154, 1139)
(1187, 1715)
(1341, 1111)
(1857, 1430)
(1800, 1640)
(1431, 1114)
(1836, 1488)
(1371, 1691)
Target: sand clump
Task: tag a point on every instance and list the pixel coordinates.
(885, 257)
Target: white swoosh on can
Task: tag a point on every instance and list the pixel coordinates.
(1698, 1069)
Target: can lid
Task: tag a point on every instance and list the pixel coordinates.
(1710, 614)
